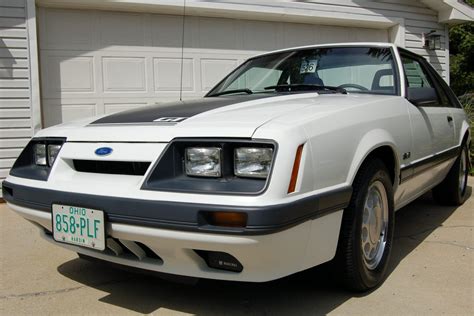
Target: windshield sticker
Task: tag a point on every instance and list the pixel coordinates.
(308, 66)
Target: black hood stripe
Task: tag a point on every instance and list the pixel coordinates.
(175, 112)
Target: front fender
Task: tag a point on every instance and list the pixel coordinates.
(368, 143)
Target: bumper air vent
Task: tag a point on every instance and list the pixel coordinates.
(220, 260)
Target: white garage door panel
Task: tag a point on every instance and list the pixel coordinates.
(123, 74)
(110, 108)
(166, 31)
(212, 70)
(260, 36)
(224, 36)
(60, 110)
(167, 74)
(67, 29)
(120, 74)
(122, 29)
(97, 62)
(68, 74)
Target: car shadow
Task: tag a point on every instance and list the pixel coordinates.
(311, 292)
(415, 222)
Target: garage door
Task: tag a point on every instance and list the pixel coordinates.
(96, 62)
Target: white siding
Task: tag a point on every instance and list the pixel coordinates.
(15, 105)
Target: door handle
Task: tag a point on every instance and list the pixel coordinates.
(450, 118)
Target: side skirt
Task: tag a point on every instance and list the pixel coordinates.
(423, 182)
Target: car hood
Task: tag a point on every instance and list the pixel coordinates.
(225, 116)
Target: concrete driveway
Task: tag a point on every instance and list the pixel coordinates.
(432, 272)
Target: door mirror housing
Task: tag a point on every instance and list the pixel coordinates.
(422, 96)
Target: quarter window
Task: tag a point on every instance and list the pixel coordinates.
(415, 74)
(447, 96)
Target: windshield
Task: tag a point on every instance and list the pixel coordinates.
(355, 69)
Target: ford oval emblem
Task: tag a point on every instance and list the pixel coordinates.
(103, 151)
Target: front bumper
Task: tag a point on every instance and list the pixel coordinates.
(183, 216)
(263, 257)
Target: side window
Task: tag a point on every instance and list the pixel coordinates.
(443, 97)
(420, 82)
(416, 76)
(448, 98)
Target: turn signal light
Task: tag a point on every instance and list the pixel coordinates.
(227, 219)
(296, 169)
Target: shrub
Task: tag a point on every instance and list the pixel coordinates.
(467, 102)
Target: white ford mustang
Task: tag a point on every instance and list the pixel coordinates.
(296, 158)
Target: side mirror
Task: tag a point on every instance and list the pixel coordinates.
(422, 96)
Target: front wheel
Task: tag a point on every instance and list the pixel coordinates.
(366, 235)
(453, 189)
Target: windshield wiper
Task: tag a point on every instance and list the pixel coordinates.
(304, 87)
(248, 91)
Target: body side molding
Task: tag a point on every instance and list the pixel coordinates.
(414, 169)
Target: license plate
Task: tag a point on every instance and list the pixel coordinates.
(79, 226)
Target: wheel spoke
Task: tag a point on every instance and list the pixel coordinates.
(365, 234)
(374, 224)
(365, 216)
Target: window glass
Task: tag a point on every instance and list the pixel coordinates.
(378, 78)
(357, 69)
(445, 93)
(443, 97)
(415, 74)
(256, 79)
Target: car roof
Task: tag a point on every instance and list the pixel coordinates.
(354, 44)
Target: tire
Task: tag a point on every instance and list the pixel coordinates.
(361, 270)
(453, 189)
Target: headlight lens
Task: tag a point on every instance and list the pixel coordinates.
(252, 162)
(203, 161)
(53, 151)
(45, 154)
(40, 154)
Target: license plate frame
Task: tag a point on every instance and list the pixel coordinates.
(89, 226)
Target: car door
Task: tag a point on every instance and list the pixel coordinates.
(449, 100)
(432, 130)
(432, 122)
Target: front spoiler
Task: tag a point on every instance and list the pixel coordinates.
(264, 258)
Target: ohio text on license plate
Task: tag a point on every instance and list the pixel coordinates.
(79, 226)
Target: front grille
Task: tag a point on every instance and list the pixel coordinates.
(133, 168)
(131, 249)
(125, 249)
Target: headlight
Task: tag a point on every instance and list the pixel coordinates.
(37, 158)
(53, 151)
(252, 162)
(45, 154)
(40, 154)
(203, 161)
